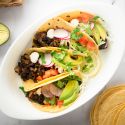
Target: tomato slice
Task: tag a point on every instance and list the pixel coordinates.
(60, 103)
(91, 45)
(39, 78)
(85, 17)
(54, 72)
(83, 40)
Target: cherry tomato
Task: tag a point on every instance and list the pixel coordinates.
(60, 103)
(39, 78)
(91, 45)
(85, 17)
(83, 40)
(54, 72)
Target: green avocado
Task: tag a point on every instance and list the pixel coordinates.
(69, 89)
(75, 60)
(71, 99)
(101, 30)
(96, 35)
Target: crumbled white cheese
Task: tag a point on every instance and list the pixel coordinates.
(34, 57)
(50, 33)
(39, 91)
(74, 22)
(60, 69)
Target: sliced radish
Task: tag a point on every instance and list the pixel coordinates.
(92, 26)
(48, 59)
(50, 65)
(61, 33)
(50, 33)
(66, 38)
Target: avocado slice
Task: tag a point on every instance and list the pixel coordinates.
(101, 30)
(69, 89)
(71, 99)
(75, 61)
(96, 35)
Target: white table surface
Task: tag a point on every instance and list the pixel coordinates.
(19, 18)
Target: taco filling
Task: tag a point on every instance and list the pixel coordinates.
(61, 58)
(39, 65)
(60, 93)
(91, 24)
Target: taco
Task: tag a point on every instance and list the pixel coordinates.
(74, 40)
(59, 33)
(91, 24)
(51, 77)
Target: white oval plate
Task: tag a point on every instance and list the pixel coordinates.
(12, 101)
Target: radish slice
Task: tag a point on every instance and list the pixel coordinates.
(61, 33)
(66, 38)
(50, 65)
(92, 26)
(48, 59)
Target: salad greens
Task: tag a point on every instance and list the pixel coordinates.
(75, 34)
(59, 56)
(51, 101)
(89, 59)
(95, 18)
(62, 83)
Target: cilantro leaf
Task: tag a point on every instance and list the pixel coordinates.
(76, 34)
(58, 56)
(42, 57)
(69, 66)
(89, 59)
(87, 68)
(79, 47)
(62, 47)
(60, 84)
(22, 89)
(86, 28)
(95, 18)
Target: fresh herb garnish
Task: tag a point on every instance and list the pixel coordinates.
(71, 77)
(51, 101)
(95, 18)
(79, 47)
(69, 66)
(76, 34)
(89, 59)
(62, 47)
(42, 57)
(58, 56)
(88, 67)
(60, 84)
(22, 89)
(87, 28)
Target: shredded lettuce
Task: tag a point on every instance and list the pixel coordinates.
(88, 67)
(59, 56)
